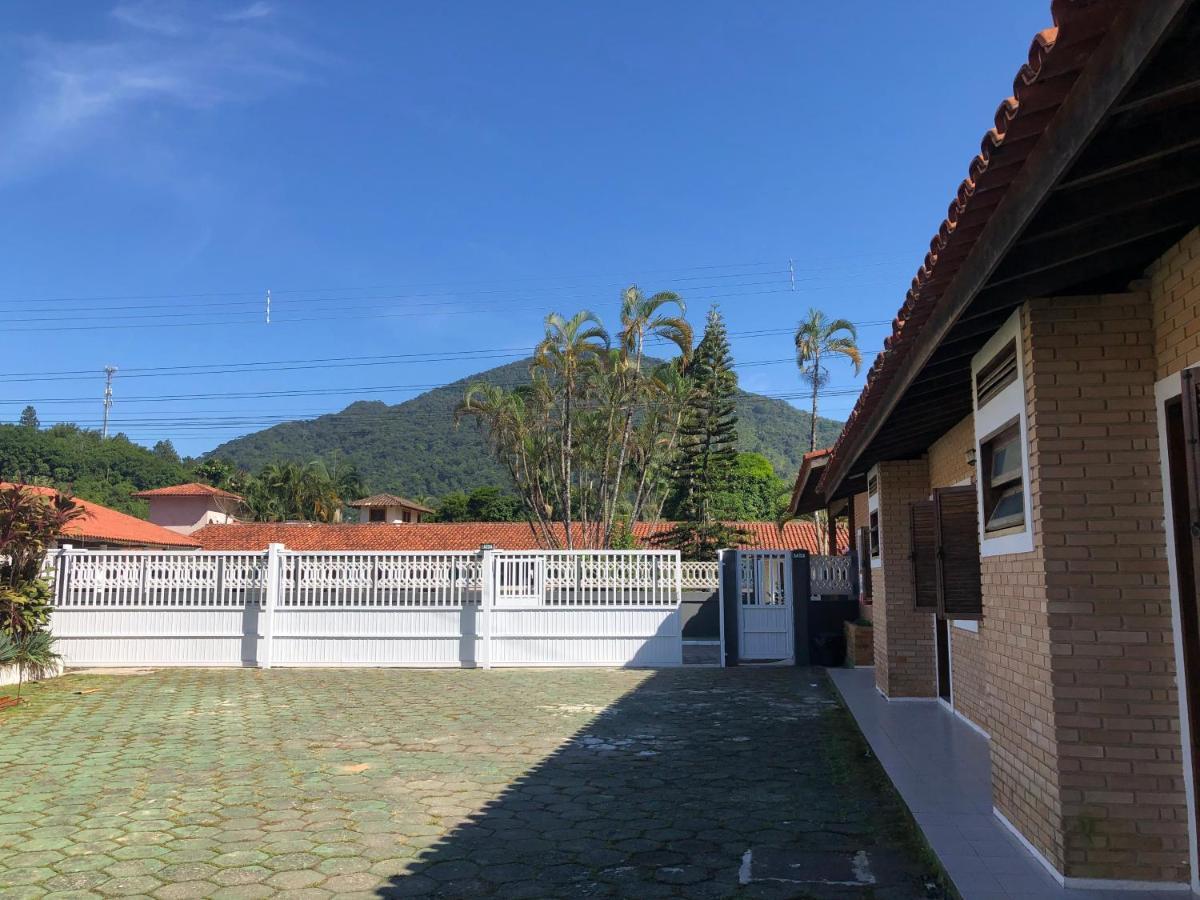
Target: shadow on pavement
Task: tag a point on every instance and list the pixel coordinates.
(698, 784)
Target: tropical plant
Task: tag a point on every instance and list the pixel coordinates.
(817, 337)
(29, 523)
(289, 491)
(584, 442)
(33, 655)
(568, 347)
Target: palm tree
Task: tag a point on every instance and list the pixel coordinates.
(569, 345)
(816, 338)
(645, 317)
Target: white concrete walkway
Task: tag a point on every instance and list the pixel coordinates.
(942, 769)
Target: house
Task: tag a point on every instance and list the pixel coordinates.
(390, 509)
(433, 536)
(101, 528)
(186, 507)
(1021, 471)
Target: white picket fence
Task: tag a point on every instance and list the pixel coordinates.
(286, 608)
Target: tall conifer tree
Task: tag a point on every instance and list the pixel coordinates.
(707, 447)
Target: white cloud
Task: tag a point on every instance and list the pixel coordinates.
(256, 10)
(68, 92)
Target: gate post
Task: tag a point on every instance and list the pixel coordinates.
(801, 595)
(270, 601)
(727, 574)
(487, 597)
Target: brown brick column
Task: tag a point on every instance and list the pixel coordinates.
(1086, 751)
(904, 639)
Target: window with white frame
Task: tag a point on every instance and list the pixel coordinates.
(1002, 445)
(873, 530)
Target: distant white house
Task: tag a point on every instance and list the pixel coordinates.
(389, 509)
(184, 508)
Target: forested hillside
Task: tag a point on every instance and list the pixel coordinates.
(414, 448)
(78, 461)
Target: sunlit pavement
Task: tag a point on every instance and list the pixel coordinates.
(504, 783)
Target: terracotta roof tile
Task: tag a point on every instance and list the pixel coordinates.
(191, 489)
(108, 526)
(1056, 56)
(455, 536)
(389, 500)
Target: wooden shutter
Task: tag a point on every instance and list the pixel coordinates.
(1191, 457)
(864, 562)
(959, 589)
(923, 554)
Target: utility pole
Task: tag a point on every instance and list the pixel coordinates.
(109, 372)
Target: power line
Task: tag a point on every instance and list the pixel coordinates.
(831, 264)
(334, 362)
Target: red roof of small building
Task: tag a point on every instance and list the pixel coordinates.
(431, 536)
(191, 489)
(389, 500)
(104, 525)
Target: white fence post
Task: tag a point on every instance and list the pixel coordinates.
(274, 577)
(487, 598)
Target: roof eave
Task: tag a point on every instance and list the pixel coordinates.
(1109, 71)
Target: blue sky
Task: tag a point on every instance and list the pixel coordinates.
(412, 181)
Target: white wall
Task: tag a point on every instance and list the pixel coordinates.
(186, 514)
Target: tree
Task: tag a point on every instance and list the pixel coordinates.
(452, 508)
(29, 523)
(707, 447)
(29, 418)
(582, 442)
(491, 504)
(568, 346)
(816, 338)
(165, 450)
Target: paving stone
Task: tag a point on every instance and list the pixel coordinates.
(502, 783)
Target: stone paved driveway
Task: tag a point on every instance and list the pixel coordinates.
(395, 783)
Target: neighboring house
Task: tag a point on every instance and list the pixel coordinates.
(186, 507)
(389, 509)
(1022, 469)
(433, 536)
(101, 528)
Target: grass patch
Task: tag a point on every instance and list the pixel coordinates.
(852, 764)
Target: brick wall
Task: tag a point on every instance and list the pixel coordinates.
(904, 640)
(1174, 285)
(948, 455)
(1098, 613)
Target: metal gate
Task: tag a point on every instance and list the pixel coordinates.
(765, 607)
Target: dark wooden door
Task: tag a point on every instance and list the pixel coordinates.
(943, 658)
(1183, 462)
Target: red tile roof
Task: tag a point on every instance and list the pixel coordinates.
(191, 489)
(389, 500)
(101, 524)
(1056, 57)
(456, 536)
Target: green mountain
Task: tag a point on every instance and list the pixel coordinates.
(414, 448)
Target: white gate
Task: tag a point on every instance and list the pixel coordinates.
(764, 592)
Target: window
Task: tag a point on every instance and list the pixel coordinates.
(874, 534)
(997, 374)
(377, 514)
(1003, 483)
(1003, 507)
